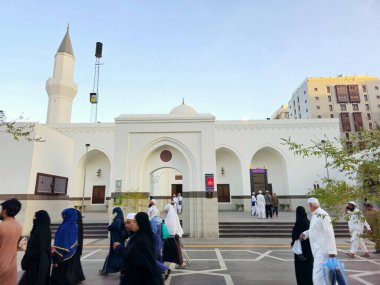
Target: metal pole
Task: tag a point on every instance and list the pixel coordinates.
(84, 178)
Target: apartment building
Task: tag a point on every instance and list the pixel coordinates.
(355, 100)
(281, 113)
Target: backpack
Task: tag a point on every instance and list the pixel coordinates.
(164, 231)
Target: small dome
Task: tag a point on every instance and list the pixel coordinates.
(183, 109)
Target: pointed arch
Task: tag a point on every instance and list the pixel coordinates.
(274, 161)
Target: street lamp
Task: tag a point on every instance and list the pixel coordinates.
(84, 177)
(327, 167)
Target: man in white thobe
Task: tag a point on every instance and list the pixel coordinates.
(179, 206)
(322, 239)
(356, 224)
(254, 204)
(174, 202)
(260, 205)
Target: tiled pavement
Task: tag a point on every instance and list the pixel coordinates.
(239, 264)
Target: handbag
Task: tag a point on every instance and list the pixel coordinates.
(334, 272)
(164, 231)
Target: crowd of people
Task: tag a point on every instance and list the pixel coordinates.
(264, 205)
(142, 244)
(318, 240)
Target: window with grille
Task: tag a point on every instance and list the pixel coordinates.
(51, 184)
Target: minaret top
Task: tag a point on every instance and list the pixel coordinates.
(66, 43)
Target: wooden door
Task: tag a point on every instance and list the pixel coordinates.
(223, 192)
(176, 188)
(98, 194)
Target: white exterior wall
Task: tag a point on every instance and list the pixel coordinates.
(249, 137)
(15, 167)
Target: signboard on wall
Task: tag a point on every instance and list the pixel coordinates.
(209, 181)
(118, 186)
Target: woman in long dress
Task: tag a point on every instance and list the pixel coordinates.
(65, 246)
(172, 246)
(156, 223)
(303, 263)
(140, 267)
(36, 261)
(114, 260)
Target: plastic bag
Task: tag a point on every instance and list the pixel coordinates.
(297, 248)
(333, 271)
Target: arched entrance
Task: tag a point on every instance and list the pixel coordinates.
(229, 179)
(167, 168)
(165, 182)
(268, 171)
(97, 185)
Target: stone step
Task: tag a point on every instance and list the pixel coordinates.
(268, 229)
(90, 230)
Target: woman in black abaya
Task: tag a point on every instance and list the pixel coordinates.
(114, 260)
(36, 261)
(140, 266)
(303, 263)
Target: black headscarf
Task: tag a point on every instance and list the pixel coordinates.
(119, 212)
(300, 214)
(40, 235)
(142, 219)
(302, 223)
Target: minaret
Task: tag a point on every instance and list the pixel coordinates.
(61, 88)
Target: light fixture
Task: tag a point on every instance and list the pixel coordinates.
(222, 172)
(99, 172)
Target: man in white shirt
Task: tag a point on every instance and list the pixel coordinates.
(174, 202)
(179, 206)
(322, 239)
(356, 224)
(260, 205)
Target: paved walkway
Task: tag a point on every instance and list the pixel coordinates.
(233, 262)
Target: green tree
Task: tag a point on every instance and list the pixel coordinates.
(17, 131)
(358, 157)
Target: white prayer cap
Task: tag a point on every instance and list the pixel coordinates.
(131, 216)
(312, 200)
(260, 192)
(153, 201)
(352, 203)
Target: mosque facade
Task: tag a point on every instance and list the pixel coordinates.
(215, 165)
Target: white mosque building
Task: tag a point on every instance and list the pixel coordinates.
(176, 152)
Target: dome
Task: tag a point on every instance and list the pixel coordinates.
(183, 109)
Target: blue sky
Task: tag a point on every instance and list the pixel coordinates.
(233, 59)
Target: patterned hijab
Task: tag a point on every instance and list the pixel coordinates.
(66, 238)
